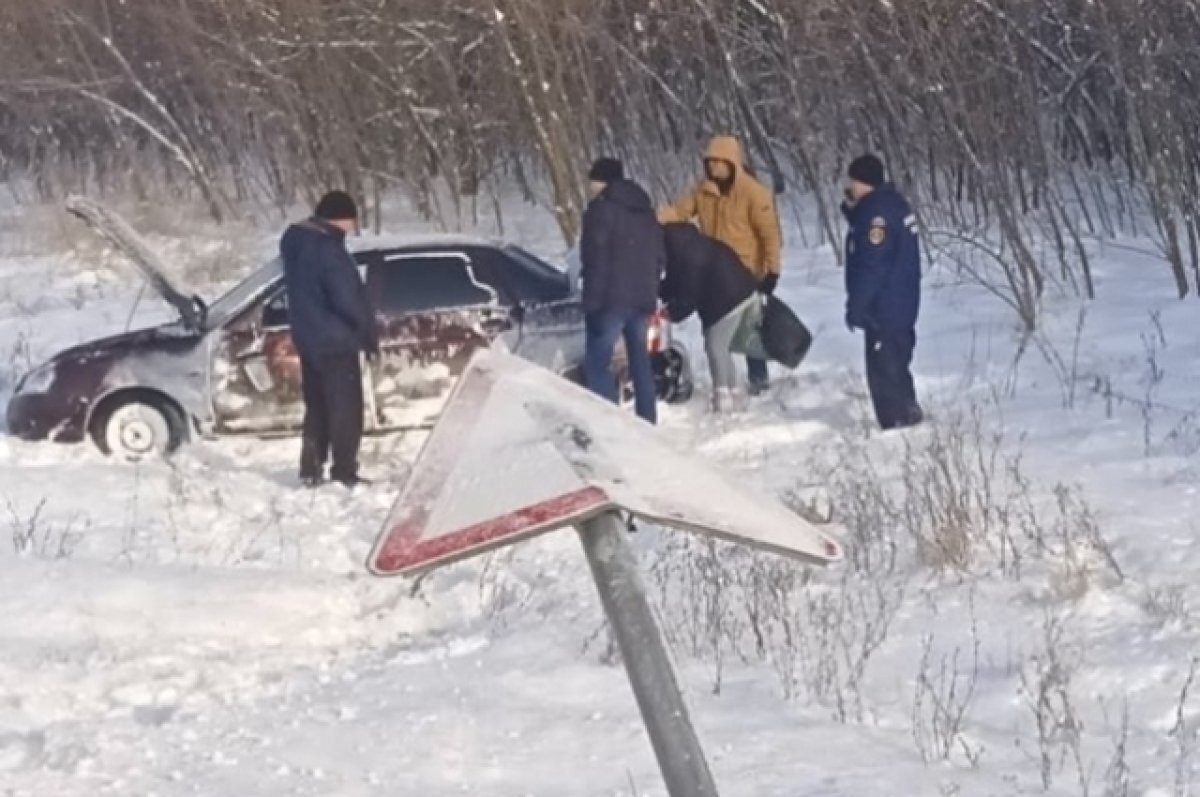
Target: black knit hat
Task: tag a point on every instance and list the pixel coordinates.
(336, 206)
(868, 170)
(606, 170)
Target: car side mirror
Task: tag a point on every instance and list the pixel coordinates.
(201, 309)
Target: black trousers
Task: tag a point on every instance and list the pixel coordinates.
(889, 357)
(333, 415)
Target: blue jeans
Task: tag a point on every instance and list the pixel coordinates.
(756, 372)
(603, 329)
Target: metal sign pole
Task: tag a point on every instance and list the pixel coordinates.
(619, 583)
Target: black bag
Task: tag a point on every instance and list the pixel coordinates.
(784, 335)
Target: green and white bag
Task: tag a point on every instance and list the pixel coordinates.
(748, 338)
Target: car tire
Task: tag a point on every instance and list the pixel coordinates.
(139, 427)
(682, 393)
(673, 376)
(673, 382)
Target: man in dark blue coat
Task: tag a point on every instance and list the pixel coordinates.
(624, 255)
(332, 324)
(883, 288)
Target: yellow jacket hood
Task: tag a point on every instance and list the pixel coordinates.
(726, 148)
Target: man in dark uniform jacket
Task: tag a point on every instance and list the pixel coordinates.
(883, 288)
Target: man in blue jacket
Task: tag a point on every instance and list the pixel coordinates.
(624, 255)
(883, 288)
(332, 324)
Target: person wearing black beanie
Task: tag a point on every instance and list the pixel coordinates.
(883, 288)
(623, 252)
(605, 171)
(332, 325)
(868, 171)
(337, 206)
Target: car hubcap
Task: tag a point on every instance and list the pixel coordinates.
(138, 431)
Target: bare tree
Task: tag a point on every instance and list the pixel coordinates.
(1024, 128)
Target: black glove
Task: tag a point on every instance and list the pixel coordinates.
(769, 284)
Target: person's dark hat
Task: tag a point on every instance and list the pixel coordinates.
(867, 170)
(336, 206)
(606, 170)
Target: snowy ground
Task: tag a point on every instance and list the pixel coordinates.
(203, 627)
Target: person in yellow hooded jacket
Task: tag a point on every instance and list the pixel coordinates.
(731, 206)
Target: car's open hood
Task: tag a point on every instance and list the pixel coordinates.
(114, 229)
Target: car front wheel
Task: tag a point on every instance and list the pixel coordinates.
(139, 428)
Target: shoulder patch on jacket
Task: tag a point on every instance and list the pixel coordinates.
(878, 232)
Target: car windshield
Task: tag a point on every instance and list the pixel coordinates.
(241, 295)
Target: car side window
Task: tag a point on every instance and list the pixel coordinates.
(419, 283)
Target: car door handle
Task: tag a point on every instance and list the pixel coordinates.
(496, 324)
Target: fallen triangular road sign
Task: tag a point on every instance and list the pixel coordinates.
(520, 452)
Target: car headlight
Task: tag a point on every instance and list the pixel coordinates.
(39, 380)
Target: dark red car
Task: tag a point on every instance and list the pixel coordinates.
(230, 367)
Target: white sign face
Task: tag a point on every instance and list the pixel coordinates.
(521, 451)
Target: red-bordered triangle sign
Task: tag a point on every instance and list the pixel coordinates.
(520, 452)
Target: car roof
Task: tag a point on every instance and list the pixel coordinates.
(373, 243)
